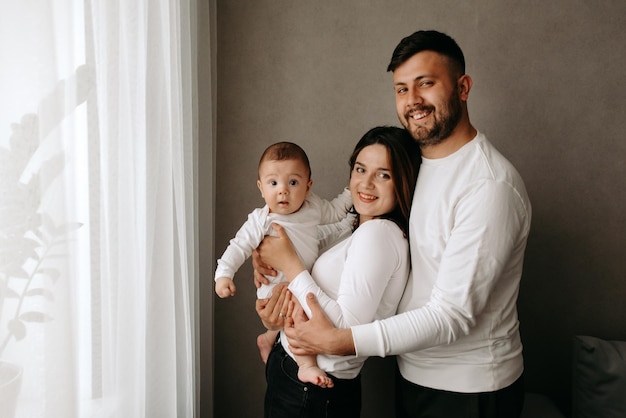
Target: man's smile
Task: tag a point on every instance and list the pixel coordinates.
(418, 114)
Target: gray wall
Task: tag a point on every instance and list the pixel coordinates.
(549, 92)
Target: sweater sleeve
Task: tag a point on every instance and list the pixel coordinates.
(334, 210)
(241, 246)
(377, 251)
(491, 223)
(330, 234)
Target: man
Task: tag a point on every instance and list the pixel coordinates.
(457, 332)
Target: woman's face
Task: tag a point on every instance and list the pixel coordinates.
(371, 185)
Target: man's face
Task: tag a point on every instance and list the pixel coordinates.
(427, 98)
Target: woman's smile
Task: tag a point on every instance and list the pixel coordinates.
(367, 197)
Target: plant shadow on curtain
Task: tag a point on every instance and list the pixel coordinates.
(97, 210)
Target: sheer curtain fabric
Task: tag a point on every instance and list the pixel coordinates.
(98, 265)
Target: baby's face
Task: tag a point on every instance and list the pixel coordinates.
(284, 185)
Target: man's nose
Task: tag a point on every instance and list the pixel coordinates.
(414, 97)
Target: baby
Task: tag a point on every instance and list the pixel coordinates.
(285, 183)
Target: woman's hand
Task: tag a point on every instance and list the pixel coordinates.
(280, 253)
(261, 270)
(274, 310)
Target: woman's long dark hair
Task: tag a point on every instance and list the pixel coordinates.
(405, 160)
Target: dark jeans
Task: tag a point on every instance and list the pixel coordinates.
(287, 397)
(415, 401)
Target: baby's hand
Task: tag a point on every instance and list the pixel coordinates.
(225, 287)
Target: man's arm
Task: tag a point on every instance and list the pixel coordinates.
(317, 335)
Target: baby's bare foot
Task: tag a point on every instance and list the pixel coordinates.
(315, 375)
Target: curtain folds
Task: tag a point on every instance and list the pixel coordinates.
(98, 263)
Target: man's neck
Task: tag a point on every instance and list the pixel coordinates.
(463, 134)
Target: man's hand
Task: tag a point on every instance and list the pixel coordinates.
(261, 270)
(317, 335)
(275, 310)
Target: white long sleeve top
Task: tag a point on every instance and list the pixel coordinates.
(356, 281)
(458, 328)
(301, 227)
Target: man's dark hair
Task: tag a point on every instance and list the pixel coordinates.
(429, 40)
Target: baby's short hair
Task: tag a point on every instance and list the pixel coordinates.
(285, 151)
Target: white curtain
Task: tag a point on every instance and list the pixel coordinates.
(98, 259)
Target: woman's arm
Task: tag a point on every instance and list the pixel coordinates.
(280, 253)
(373, 276)
(278, 307)
(261, 270)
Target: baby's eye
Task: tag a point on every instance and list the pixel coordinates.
(273, 183)
(293, 182)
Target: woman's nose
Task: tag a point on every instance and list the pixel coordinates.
(368, 181)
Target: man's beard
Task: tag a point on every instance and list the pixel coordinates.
(445, 121)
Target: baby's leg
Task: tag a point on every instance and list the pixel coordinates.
(309, 372)
(265, 342)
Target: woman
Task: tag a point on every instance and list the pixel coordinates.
(359, 279)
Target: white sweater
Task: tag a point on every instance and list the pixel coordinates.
(301, 227)
(358, 280)
(469, 224)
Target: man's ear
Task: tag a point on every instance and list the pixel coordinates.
(258, 184)
(465, 85)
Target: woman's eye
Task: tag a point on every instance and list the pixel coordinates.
(384, 176)
(359, 170)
